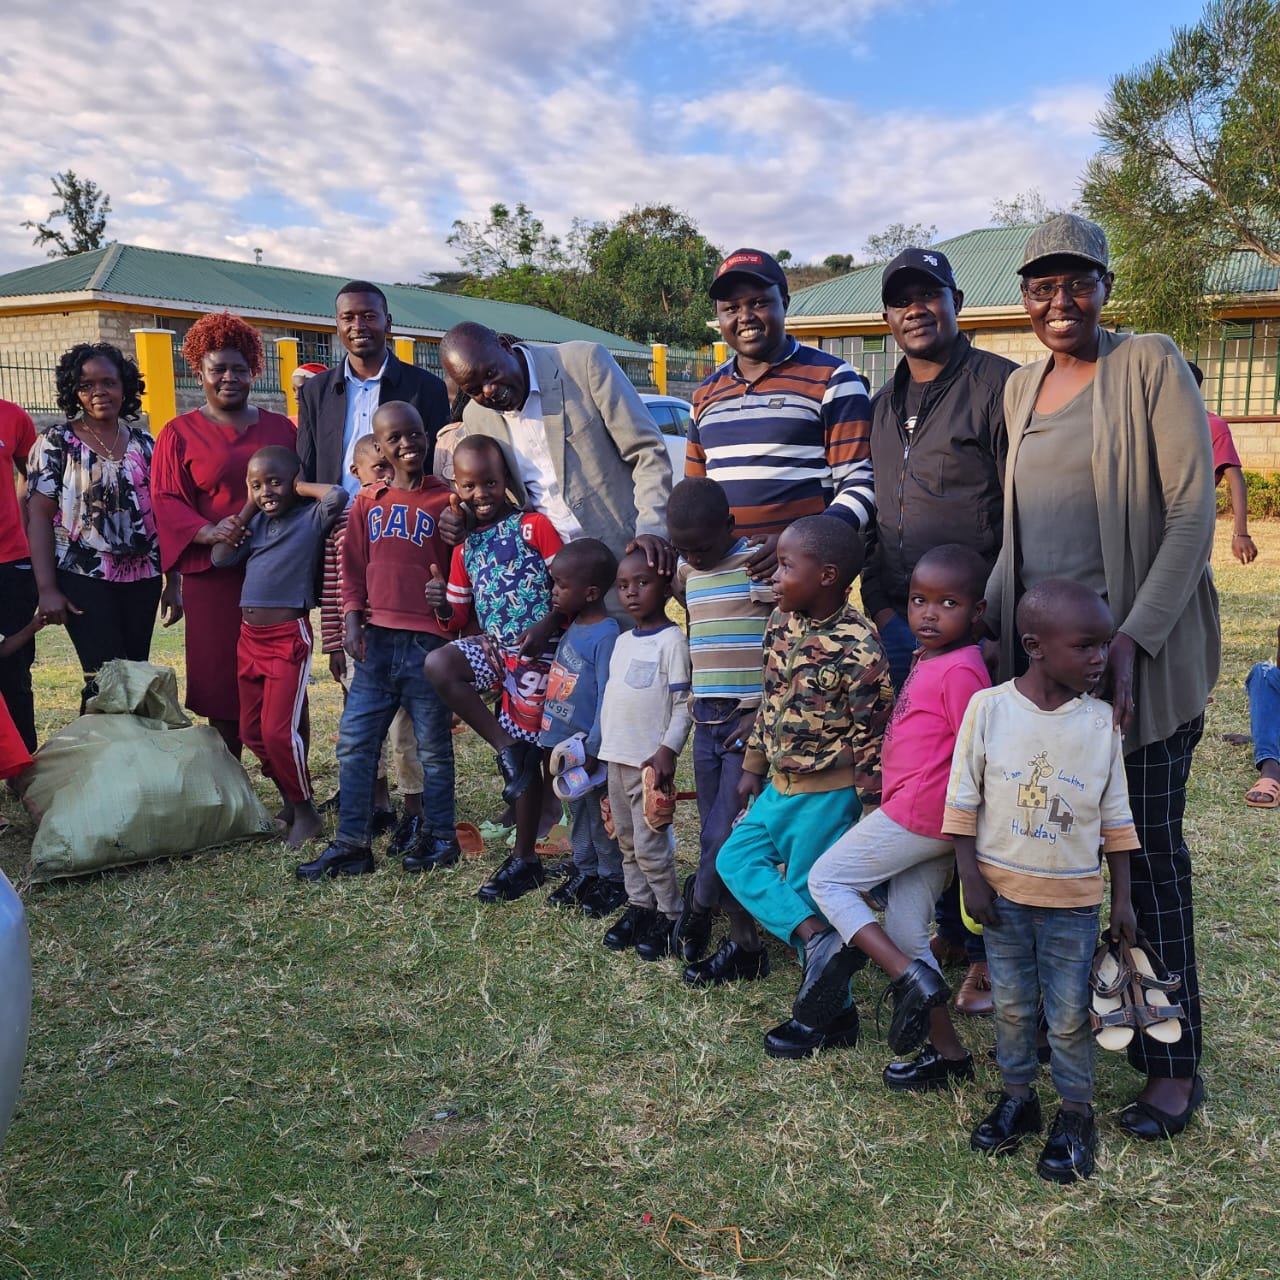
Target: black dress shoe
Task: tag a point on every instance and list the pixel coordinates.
(339, 859)
(383, 821)
(917, 991)
(628, 928)
(1068, 1155)
(693, 927)
(409, 830)
(927, 1070)
(1006, 1125)
(512, 880)
(659, 939)
(729, 963)
(519, 765)
(432, 853)
(824, 984)
(603, 899)
(572, 891)
(1142, 1120)
(794, 1040)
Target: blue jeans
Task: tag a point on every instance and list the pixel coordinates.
(1043, 954)
(716, 771)
(1263, 687)
(898, 643)
(390, 677)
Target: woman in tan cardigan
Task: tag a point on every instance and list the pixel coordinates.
(1109, 481)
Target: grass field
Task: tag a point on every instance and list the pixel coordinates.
(233, 1074)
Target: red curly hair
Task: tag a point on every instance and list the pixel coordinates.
(223, 332)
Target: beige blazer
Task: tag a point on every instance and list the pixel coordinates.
(608, 453)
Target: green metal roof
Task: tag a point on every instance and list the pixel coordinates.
(985, 264)
(179, 280)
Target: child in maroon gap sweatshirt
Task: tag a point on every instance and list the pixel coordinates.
(389, 628)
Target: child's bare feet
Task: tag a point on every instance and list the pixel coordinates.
(306, 825)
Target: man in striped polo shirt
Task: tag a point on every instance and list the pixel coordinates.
(786, 429)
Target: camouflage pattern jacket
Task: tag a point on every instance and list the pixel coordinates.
(826, 704)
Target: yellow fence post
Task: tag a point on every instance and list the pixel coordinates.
(155, 363)
(287, 353)
(720, 352)
(660, 367)
(404, 349)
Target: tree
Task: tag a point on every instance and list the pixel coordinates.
(898, 236)
(1028, 208)
(85, 208)
(782, 257)
(838, 263)
(507, 241)
(1189, 170)
(647, 276)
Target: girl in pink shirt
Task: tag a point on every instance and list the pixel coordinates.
(902, 843)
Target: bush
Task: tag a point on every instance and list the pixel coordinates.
(1263, 492)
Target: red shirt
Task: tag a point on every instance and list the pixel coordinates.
(17, 435)
(1224, 447)
(390, 545)
(198, 478)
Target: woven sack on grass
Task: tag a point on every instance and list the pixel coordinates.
(134, 780)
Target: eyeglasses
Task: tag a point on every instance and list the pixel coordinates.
(1047, 290)
(925, 293)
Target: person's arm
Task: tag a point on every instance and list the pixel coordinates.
(875, 602)
(53, 606)
(171, 608)
(870, 706)
(235, 547)
(960, 814)
(175, 500)
(846, 428)
(600, 663)
(355, 564)
(679, 674)
(1241, 543)
(9, 645)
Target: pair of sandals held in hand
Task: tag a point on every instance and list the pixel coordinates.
(572, 781)
(1130, 993)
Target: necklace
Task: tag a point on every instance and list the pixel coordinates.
(103, 449)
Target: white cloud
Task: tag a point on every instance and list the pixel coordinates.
(348, 143)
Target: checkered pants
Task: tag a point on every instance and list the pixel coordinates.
(1161, 873)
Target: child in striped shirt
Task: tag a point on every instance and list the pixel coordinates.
(727, 614)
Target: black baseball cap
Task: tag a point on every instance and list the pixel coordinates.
(928, 262)
(750, 264)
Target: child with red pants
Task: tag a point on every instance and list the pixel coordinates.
(284, 526)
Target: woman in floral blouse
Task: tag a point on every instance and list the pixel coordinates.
(94, 549)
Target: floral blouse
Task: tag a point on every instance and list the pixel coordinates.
(103, 525)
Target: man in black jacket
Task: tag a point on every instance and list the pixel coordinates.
(938, 443)
(938, 446)
(336, 407)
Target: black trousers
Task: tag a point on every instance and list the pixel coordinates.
(18, 600)
(116, 621)
(1161, 874)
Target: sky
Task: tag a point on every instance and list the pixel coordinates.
(347, 139)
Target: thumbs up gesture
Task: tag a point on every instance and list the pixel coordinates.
(454, 521)
(436, 592)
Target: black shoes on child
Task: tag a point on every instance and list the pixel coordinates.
(824, 984)
(918, 990)
(1007, 1124)
(632, 925)
(432, 854)
(731, 962)
(1068, 1155)
(927, 1070)
(575, 887)
(693, 926)
(339, 859)
(519, 764)
(796, 1040)
(512, 880)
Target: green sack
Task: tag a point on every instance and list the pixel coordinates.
(126, 783)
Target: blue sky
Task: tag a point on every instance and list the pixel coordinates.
(348, 141)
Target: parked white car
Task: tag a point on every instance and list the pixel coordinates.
(672, 416)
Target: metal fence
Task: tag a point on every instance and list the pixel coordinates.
(266, 383)
(686, 365)
(638, 366)
(27, 378)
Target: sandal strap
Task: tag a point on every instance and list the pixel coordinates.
(1120, 981)
(1121, 1017)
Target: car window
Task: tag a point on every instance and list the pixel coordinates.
(681, 416)
(662, 416)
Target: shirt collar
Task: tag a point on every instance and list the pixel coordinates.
(364, 382)
(534, 389)
(792, 348)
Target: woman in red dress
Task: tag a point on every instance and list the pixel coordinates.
(198, 488)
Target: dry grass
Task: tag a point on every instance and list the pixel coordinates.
(232, 1074)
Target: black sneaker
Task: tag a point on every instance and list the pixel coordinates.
(629, 928)
(409, 830)
(729, 963)
(1068, 1155)
(604, 899)
(1007, 1124)
(659, 939)
(572, 891)
(693, 927)
(927, 1070)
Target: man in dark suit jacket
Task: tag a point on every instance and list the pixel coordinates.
(335, 407)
